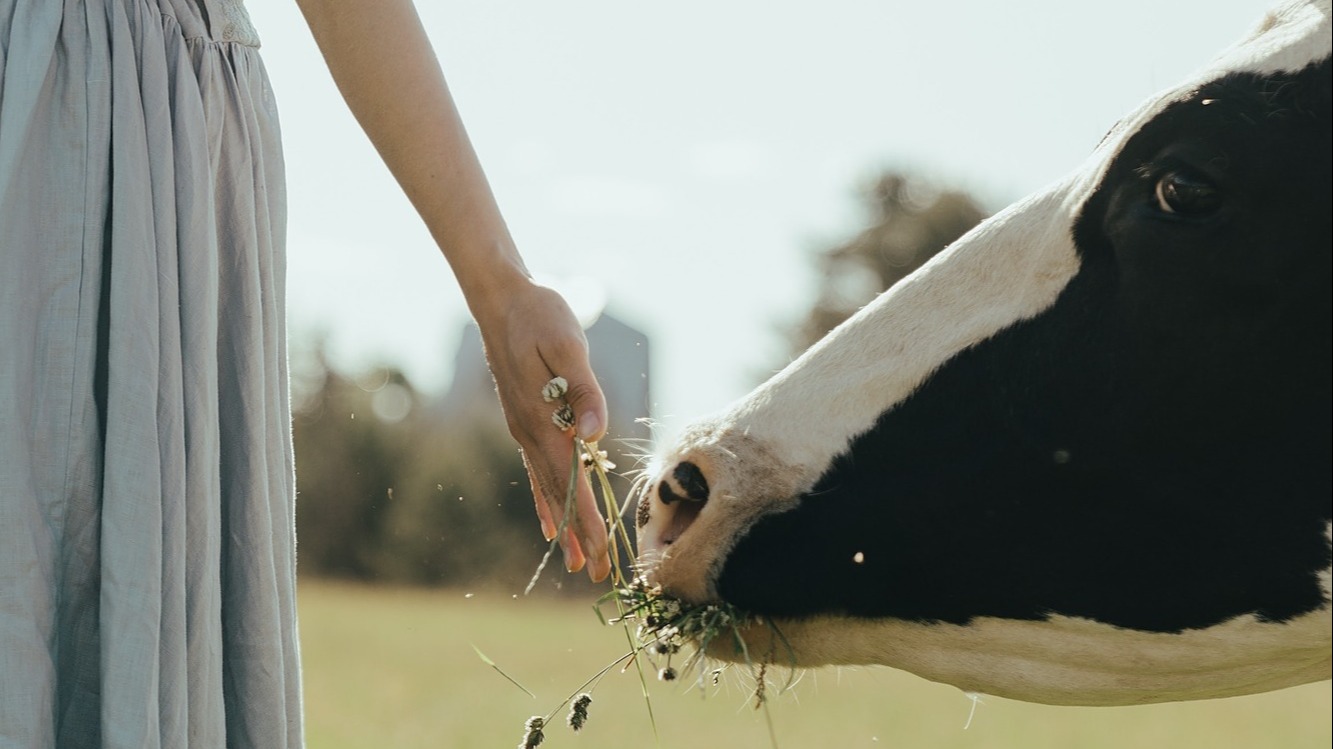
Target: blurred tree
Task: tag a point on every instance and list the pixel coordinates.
(910, 220)
(465, 515)
(392, 490)
(347, 460)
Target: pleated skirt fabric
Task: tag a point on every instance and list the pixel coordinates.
(147, 550)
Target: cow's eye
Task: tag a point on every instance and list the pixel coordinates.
(1185, 194)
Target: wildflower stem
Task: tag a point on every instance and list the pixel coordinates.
(760, 674)
(571, 507)
(512, 680)
(617, 534)
(638, 666)
(591, 683)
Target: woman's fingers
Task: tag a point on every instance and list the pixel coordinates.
(534, 339)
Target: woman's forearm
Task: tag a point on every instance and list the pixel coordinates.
(384, 65)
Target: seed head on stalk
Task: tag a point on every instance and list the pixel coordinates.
(578, 712)
(532, 733)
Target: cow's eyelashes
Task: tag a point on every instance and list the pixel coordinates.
(1186, 194)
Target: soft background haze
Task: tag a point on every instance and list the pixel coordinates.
(681, 160)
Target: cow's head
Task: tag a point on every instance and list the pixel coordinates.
(1081, 456)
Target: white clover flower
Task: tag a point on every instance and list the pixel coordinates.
(597, 458)
(555, 389)
(563, 417)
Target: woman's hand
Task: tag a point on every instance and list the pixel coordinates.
(531, 336)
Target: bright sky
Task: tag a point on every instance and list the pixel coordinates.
(683, 159)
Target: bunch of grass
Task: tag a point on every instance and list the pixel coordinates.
(660, 630)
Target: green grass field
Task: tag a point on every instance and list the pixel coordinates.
(396, 668)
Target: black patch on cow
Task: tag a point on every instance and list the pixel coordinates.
(1152, 452)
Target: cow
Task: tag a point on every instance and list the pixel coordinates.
(1082, 456)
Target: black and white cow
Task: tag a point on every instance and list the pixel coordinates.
(1083, 455)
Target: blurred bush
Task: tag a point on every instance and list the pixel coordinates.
(390, 489)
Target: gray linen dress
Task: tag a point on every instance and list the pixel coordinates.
(147, 567)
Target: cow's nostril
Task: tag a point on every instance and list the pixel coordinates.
(682, 497)
(692, 480)
(667, 494)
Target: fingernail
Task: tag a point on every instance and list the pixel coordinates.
(598, 572)
(588, 425)
(568, 567)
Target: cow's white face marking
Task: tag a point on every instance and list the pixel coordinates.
(766, 453)
(1009, 268)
